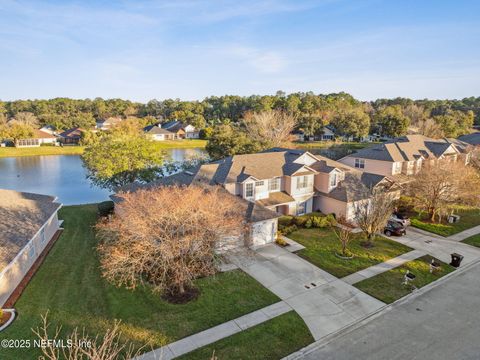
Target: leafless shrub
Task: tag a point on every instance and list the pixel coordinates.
(167, 236)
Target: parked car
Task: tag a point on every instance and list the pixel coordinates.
(394, 228)
(401, 219)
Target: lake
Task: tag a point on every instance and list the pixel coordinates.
(62, 176)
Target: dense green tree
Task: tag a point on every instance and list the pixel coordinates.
(227, 141)
(391, 121)
(352, 122)
(123, 156)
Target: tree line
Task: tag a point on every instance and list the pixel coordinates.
(349, 116)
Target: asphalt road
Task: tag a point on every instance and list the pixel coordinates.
(443, 323)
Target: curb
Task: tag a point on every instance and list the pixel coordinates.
(365, 320)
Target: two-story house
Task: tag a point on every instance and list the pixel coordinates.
(406, 155)
(284, 181)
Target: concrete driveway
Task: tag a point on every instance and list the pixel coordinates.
(442, 323)
(325, 303)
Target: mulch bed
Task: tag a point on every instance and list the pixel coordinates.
(28, 276)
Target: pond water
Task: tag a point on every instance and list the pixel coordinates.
(62, 176)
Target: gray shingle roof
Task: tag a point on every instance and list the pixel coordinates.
(472, 139)
(408, 148)
(21, 217)
(158, 130)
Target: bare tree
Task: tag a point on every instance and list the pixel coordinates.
(343, 234)
(26, 118)
(167, 237)
(372, 214)
(78, 346)
(438, 186)
(430, 128)
(271, 128)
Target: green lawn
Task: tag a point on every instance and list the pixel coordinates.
(273, 339)
(42, 150)
(388, 286)
(69, 285)
(78, 150)
(321, 245)
(473, 240)
(469, 217)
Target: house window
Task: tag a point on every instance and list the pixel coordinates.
(302, 182)
(259, 183)
(31, 251)
(274, 184)
(360, 163)
(42, 235)
(301, 208)
(333, 180)
(249, 190)
(398, 168)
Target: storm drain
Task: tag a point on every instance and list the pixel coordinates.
(309, 286)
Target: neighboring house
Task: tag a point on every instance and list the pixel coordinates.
(472, 139)
(181, 130)
(107, 124)
(50, 129)
(159, 134)
(71, 136)
(191, 132)
(328, 134)
(28, 222)
(298, 135)
(287, 182)
(39, 137)
(406, 155)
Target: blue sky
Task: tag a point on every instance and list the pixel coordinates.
(188, 49)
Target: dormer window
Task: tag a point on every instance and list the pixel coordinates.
(274, 184)
(302, 182)
(360, 163)
(249, 190)
(333, 179)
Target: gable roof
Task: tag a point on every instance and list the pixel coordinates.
(72, 133)
(409, 148)
(22, 215)
(39, 134)
(157, 130)
(472, 139)
(173, 126)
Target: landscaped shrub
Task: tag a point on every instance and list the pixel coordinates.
(300, 220)
(289, 229)
(105, 208)
(284, 221)
(308, 223)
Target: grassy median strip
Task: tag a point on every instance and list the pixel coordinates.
(321, 246)
(69, 285)
(388, 286)
(473, 240)
(273, 339)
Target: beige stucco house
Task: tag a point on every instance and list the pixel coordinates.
(28, 222)
(406, 155)
(283, 182)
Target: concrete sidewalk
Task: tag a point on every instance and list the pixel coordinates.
(216, 333)
(325, 303)
(465, 234)
(439, 248)
(382, 267)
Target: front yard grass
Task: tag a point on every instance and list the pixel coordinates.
(388, 287)
(473, 240)
(273, 339)
(322, 244)
(69, 285)
(469, 217)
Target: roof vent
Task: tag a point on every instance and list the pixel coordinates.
(189, 173)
